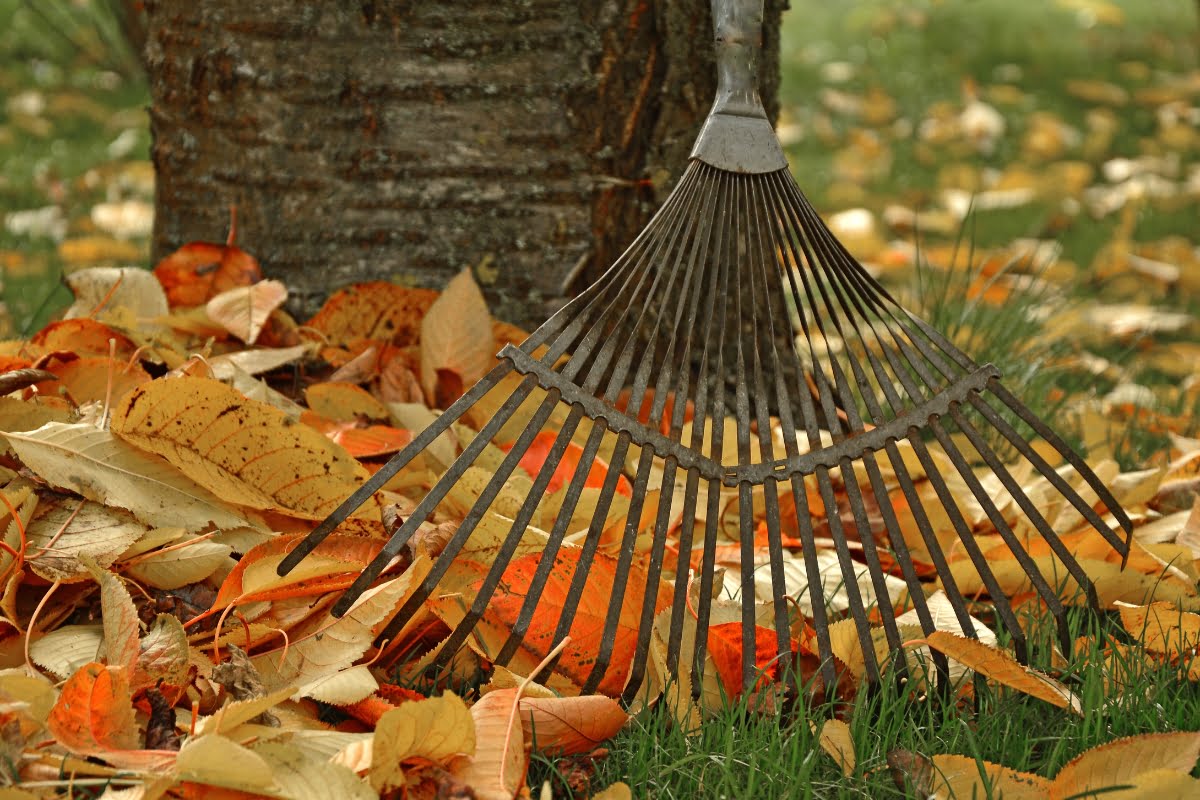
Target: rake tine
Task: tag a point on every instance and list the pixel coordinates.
(1048, 594)
(670, 465)
(474, 515)
(967, 537)
(620, 581)
(394, 465)
(430, 501)
(513, 538)
(761, 298)
(833, 512)
(554, 544)
(724, 253)
(1073, 458)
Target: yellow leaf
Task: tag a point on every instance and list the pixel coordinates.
(216, 761)
(300, 777)
(109, 471)
(1001, 667)
(336, 643)
(1119, 763)
(438, 729)
(835, 739)
(120, 618)
(456, 337)
(1162, 627)
(960, 777)
(66, 529)
(241, 450)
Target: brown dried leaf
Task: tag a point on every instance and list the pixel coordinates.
(456, 341)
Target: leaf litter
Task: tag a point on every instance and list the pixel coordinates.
(162, 508)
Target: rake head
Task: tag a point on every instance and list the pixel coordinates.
(755, 392)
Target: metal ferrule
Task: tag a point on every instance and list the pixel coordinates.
(737, 136)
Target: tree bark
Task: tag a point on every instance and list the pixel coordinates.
(407, 139)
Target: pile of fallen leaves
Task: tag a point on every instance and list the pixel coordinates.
(177, 433)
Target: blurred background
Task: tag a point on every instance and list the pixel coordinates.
(1025, 172)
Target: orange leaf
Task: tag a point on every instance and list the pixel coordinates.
(569, 725)
(366, 441)
(85, 337)
(94, 717)
(539, 450)
(725, 646)
(333, 565)
(588, 625)
(643, 415)
(199, 271)
(375, 310)
(997, 665)
(87, 379)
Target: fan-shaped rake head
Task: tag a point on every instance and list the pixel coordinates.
(761, 401)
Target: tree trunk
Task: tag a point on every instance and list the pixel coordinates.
(406, 139)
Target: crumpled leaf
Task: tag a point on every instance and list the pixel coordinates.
(64, 529)
(340, 641)
(94, 717)
(104, 288)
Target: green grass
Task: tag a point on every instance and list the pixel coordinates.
(740, 753)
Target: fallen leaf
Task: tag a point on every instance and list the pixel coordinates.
(1119, 763)
(437, 729)
(836, 740)
(94, 717)
(456, 340)
(243, 311)
(1001, 667)
(239, 449)
(107, 470)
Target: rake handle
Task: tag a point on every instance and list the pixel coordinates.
(737, 136)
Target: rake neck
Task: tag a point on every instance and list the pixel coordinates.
(737, 136)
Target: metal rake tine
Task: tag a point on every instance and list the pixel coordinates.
(430, 501)
(708, 567)
(596, 371)
(662, 520)
(1048, 594)
(554, 544)
(741, 405)
(622, 576)
(760, 297)
(891, 524)
(393, 465)
(504, 556)
(484, 501)
(967, 537)
(666, 495)
(1073, 458)
(826, 395)
(590, 545)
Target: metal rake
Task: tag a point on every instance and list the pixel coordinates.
(725, 306)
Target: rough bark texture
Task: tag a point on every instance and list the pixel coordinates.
(406, 139)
